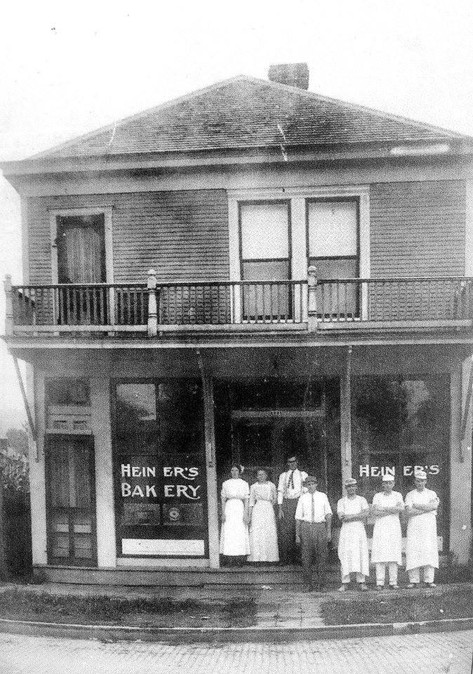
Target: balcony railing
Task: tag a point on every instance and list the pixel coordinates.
(313, 304)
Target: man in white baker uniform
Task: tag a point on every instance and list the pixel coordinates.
(421, 546)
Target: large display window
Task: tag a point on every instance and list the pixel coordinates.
(159, 468)
(400, 424)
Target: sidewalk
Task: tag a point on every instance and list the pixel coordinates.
(282, 614)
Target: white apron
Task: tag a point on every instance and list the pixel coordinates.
(421, 546)
(387, 535)
(353, 544)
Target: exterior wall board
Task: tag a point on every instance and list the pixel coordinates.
(418, 229)
(183, 235)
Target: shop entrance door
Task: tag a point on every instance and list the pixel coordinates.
(71, 500)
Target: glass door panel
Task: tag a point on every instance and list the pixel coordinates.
(71, 501)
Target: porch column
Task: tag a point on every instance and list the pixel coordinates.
(460, 470)
(345, 416)
(35, 387)
(101, 427)
(210, 460)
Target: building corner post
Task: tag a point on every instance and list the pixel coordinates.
(8, 306)
(152, 304)
(312, 299)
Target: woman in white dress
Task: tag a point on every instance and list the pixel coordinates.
(234, 539)
(263, 531)
(387, 535)
(353, 510)
(421, 546)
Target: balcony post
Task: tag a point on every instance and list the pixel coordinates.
(8, 306)
(152, 304)
(312, 299)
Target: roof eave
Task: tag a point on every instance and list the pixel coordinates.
(433, 148)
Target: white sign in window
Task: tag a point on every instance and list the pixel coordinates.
(264, 231)
(333, 228)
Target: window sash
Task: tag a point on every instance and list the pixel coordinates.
(332, 228)
(264, 231)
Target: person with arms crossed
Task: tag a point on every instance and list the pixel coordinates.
(387, 536)
(353, 510)
(421, 547)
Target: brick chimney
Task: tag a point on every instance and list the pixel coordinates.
(292, 74)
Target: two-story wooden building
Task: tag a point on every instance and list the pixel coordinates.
(247, 272)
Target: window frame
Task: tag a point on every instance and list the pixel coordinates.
(272, 202)
(106, 211)
(356, 257)
(297, 196)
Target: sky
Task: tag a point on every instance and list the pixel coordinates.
(69, 68)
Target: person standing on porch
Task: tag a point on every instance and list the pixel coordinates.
(353, 543)
(234, 539)
(263, 530)
(421, 547)
(313, 532)
(387, 537)
(290, 488)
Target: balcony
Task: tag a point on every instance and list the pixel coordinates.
(313, 305)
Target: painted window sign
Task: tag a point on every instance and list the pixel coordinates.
(148, 482)
(368, 470)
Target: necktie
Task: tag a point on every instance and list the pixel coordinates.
(313, 508)
(291, 480)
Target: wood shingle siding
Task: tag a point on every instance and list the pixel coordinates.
(183, 235)
(418, 228)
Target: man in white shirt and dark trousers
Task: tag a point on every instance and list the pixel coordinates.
(313, 532)
(290, 487)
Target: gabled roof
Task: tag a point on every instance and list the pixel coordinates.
(245, 113)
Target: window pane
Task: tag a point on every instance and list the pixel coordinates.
(266, 271)
(68, 392)
(328, 269)
(332, 228)
(135, 410)
(264, 231)
(180, 414)
(266, 301)
(337, 299)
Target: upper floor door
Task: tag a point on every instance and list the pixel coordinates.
(81, 260)
(81, 249)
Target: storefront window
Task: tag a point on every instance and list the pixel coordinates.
(159, 468)
(399, 424)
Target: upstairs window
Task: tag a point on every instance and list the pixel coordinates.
(265, 256)
(333, 248)
(264, 236)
